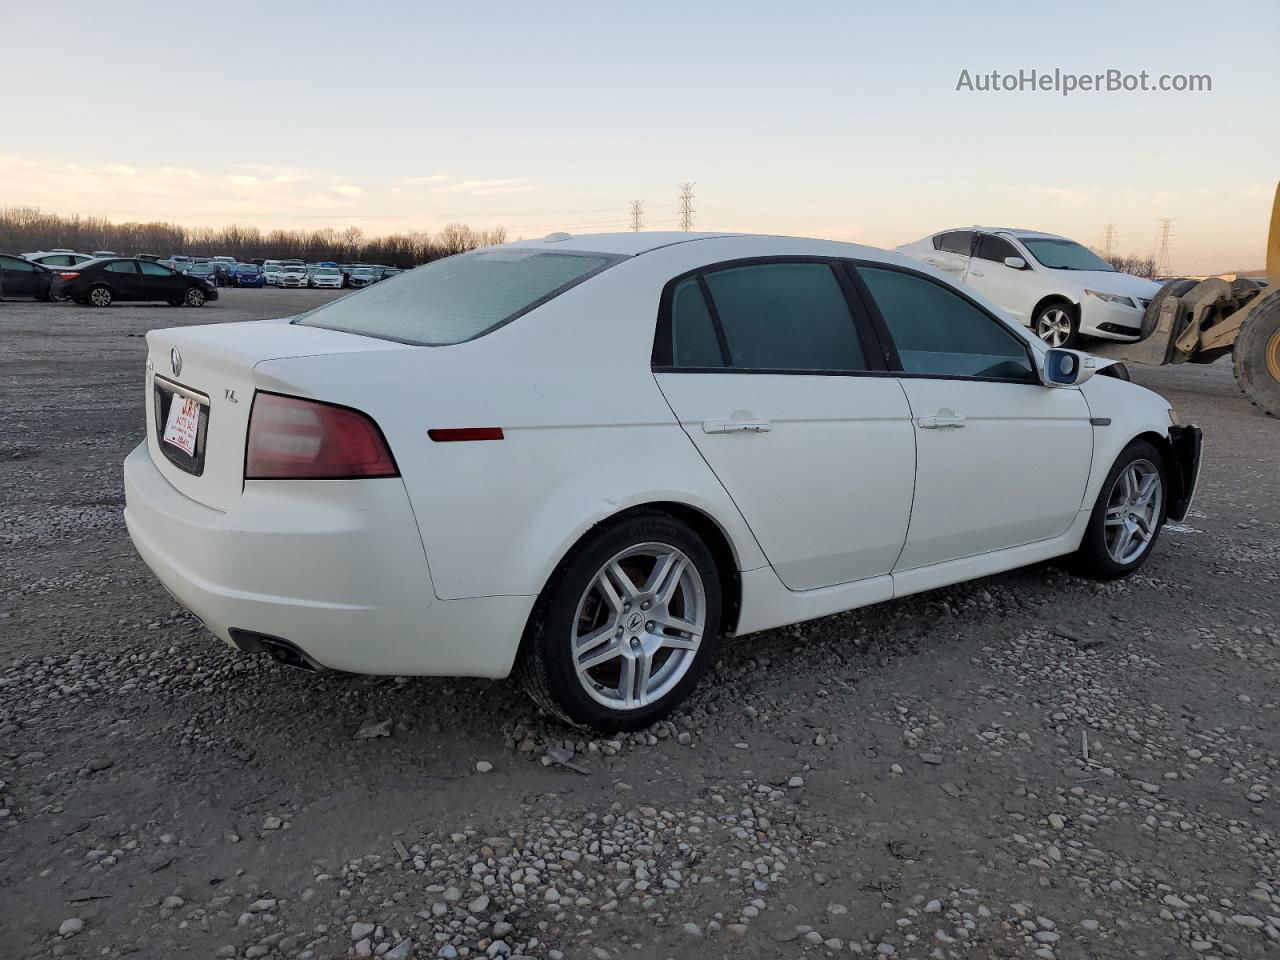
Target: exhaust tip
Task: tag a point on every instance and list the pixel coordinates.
(282, 651)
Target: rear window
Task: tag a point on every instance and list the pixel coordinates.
(460, 297)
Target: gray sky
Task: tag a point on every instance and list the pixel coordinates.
(831, 119)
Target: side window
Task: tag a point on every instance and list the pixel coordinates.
(17, 265)
(154, 269)
(957, 241)
(785, 316)
(937, 241)
(994, 248)
(122, 266)
(693, 332)
(939, 333)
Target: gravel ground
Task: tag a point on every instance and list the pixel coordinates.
(1030, 765)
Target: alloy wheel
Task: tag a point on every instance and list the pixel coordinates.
(1054, 327)
(195, 298)
(1133, 511)
(638, 626)
(100, 297)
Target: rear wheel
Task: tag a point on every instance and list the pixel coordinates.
(1256, 357)
(627, 625)
(1056, 324)
(1127, 516)
(195, 297)
(100, 296)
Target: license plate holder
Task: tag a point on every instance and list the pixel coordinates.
(181, 431)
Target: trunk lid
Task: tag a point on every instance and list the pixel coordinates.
(212, 367)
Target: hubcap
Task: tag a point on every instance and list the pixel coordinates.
(1273, 356)
(1133, 511)
(1054, 327)
(638, 626)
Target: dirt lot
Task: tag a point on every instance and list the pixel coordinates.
(908, 781)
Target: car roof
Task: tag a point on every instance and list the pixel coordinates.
(627, 244)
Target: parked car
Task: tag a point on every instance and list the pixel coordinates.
(153, 257)
(204, 270)
(273, 273)
(326, 277)
(777, 429)
(101, 254)
(20, 277)
(100, 283)
(292, 275)
(248, 275)
(361, 277)
(1059, 288)
(57, 258)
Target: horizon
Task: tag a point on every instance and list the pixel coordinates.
(829, 121)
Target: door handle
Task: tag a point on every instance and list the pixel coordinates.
(940, 423)
(936, 263)
(736, 426)
(975, 273)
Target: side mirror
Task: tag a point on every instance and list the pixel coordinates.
(1017, 263)
(1068, 368)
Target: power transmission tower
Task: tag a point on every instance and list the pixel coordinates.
(1109, 241)
(1162, 246)
(637, 215)
(686, 206)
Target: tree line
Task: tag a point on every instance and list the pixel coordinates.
(26, 229)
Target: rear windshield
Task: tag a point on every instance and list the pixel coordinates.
(460, 297)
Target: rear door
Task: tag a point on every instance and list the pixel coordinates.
(123, 277)
(951, 252)
(773, 372)
(1002, 460)
(1009, 288)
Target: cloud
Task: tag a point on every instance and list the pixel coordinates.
(484, 188)
(348, 190)
(422, 181)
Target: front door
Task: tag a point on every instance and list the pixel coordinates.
(1009, 288)
(777, 385)
(1001, 460)
(160, 283)
(22, 278)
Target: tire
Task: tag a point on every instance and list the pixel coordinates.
(1150, 316)
(1122, 510)
(1057, 324)
(1256, 356)
(100, 296)
(194, 297)
(602, 694)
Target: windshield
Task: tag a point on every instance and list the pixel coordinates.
(326, 271)
(460, 297)
(246, 268)
(1064, 254)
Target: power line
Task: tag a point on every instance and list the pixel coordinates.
(686, 206)
(637, 215)
(1162, 244)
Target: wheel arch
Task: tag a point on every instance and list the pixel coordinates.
(1050, 299)
(1172, 469)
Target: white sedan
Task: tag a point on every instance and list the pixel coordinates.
(1059, 288)
(584, 459)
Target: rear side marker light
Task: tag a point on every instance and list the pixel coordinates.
(465, 433)
(295, 439)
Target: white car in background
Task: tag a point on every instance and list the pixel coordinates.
(272, 274)
(57, 258)
(327, 277)
(293, 275)
(582, 459)
(1059, 288)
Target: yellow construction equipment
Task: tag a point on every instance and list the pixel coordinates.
(1192, 321)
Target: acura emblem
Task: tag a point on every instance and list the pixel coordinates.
(175, 361)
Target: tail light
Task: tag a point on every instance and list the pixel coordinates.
(69, 274)
(295, 439)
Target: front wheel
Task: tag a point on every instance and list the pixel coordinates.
(1256, 356)
(1127, 516)
(1056, 325)
(630, 620)
(195, 297)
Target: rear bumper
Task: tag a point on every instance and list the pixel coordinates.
(1186, 442)
(336, 568)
